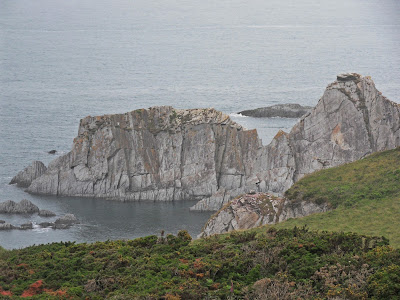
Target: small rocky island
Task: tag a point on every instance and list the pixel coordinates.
(280, 110)
(165, 154)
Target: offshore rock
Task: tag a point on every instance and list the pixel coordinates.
(46, 213)
(7, 226)
(23, 207)
(253, 210)
(26, 226)
(158, 153)
(30, 173)
(65, 221)
(279, 110)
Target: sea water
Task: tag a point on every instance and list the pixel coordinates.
(63, 60)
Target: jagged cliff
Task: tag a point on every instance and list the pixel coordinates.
(350, 121)
(159, 153)
(163, 153)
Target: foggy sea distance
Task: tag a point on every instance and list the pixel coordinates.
(63, 60)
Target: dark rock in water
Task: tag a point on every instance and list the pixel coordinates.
(279, 110)
(23, 207)
(348, 77)
(30, 173)
(46, 224)
(52, 152)
(26, 226)
(2, 221)
(65, 221)
(6, 226)
(46, 213)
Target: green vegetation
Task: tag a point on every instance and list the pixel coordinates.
(365, 193)
(255, 264)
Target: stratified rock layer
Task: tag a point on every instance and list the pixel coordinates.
(279, 110)
(253, 210)
(156, 154)
(350, 121)
(30, 173)
(163, 153)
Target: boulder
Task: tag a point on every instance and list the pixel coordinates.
(46, 213)
(279, 110)
(26, 226)
(30, 173)
(23, 207)
(6, 226)
(46, 224)
(65, 221)
(52, 152)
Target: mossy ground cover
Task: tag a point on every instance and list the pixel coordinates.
(256, 264)
(365, 196)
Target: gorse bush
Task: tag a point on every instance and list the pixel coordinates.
(255, 264)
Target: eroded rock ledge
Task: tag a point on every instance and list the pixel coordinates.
(167, 154)
(253, 210)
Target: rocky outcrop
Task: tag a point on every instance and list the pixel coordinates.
(23, 207)
(159, 153)
(279, 110)
(166, 154)
(46, 213)
(350, 121)
(7, 226)
(65, 221)
(30, 173)
(253, 210)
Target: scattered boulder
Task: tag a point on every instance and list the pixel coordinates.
(348, 77)
(29, 174)
(46, 224)
(253, 210)
(6, 226)
(52, 152)
(2, 221)
(23, 207)
(65, 221)
(279, 110)
(26, 226)
(46, 213)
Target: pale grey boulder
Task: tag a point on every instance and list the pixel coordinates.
(22, 207)
(65, 221)
(30, 173)
(26, 226)
(253, 210)
(290, 110)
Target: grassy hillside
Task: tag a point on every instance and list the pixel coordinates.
(256, 264)
(365, 193)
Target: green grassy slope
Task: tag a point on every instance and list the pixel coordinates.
(365, 193)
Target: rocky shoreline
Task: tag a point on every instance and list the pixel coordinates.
(279, 110)
(166, 154)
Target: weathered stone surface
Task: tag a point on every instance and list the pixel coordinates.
(26, 226)
(6, 226)
(23, 207)
(279, 110)
(163, 153)
(46, 213)
(30, 173)
(65, 221)
(46, 224)
(156, 154)
(253, 210)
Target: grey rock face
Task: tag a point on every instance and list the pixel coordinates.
(46, 213)
(65, 221)
(166, 154)
(156, 154)
(253, 210)
(279, 110)
(30, 173)
(23, 207)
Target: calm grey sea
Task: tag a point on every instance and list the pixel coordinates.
(63, 60)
